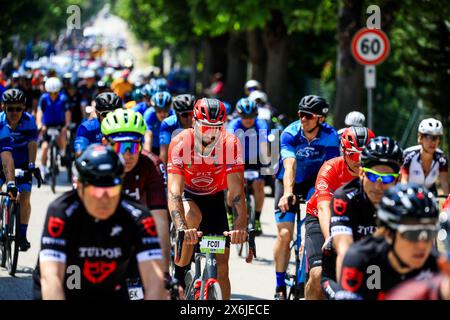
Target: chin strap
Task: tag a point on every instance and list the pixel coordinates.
(348, 167)
(397, 257)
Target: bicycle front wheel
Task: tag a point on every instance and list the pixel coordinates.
(3, 231)
(214, 291)
(13, 238)
(53, 167)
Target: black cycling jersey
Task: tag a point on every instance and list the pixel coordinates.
(352, 214)
(100, 249)
(367, 260)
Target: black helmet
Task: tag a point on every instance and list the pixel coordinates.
(100, 166)
(408, 203)
(107, 101)
(184, 102)
(14, 96)
(382, 151)
(314, 104)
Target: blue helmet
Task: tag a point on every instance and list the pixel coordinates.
(246, 107)
(149, 90)
(161, 84)
(228, 107)
(161, 100)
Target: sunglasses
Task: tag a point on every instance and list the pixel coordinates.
(430, 137)
(247, 117)
(307, 115)
(186, 114)
(121, 147)
(100, 192)
(418, 233)
(353, 155)
(14, 109)
(164, 111)
(385, 178)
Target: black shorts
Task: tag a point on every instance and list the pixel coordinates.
(328, 279)
(314, 241)
(46, 137)
(304, 189)
(214, 213)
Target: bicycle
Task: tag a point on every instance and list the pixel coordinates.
(9, 232)
(70, 152)
(203, 284)
(296, 282)
(53, 133)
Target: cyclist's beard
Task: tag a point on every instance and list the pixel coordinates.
(315, 127)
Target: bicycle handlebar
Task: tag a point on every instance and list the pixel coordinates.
(300, 200)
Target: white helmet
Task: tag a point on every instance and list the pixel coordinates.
(53, 85)
(89, 74)
(255, 95)
(355, 119)
(431, 126)
(252, 84)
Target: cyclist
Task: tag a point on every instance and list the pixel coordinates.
(402, 249)
(251, 85)
(147, 91)
(161, 109)
(333, 174)
(252, 132)
(97, 229)
(124, 131)
(305, 145)
(426, 163)
(353, 119)
(88, 88)
(183, 105)
(203, 161)
(89, 131)
(353, 214)
(121, 86)
(23, 131)
(53, 111)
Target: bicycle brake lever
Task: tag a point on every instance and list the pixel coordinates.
(180, 238)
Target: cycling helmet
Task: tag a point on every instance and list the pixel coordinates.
(356, 138)
(184, 102)
(52, 85)
(314, 104)
(100, 166)
(258, 95)
(408, 203)
(252, 85)
(431, 126)
(149, 90)
(382, 151)
(161, 84)
(124, 124)
(246, 107)
(137, 95)
(227, 107)
(210, 112)
(161, 100)
(107, 101)
(89, 74)
(13, 96)
(355, 119)
(101, 85)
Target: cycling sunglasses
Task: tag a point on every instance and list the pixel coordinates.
(354, 155)
(121, 147)
(14, 109)
(418, 232)
(99, 192)
(385, 178)
(431, 137)
(186, 114)
(307, 115)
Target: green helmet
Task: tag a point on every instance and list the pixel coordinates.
(125, 124)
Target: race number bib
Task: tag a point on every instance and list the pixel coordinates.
(212, 244)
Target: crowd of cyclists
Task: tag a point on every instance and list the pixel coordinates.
(146, 159)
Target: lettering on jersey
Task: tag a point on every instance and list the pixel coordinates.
(71, 209)
(55, 226)
(116, 230)
(98, 271)
(149, 226)
(202, 179)
(365, 231)
(131, 209)
(351, 279)
(424, 275)
(307, 152)
(96, 252)
(322, 186)
(150, 240)
(48, 240)
(339, 206)
(335, 219)
(136, 194)
(52, 255)
(335, 230)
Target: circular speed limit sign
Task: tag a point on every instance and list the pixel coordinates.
(370, 46)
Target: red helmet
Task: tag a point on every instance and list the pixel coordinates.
(210, 112)
(356, 138)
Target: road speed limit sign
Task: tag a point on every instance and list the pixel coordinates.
(370, 46)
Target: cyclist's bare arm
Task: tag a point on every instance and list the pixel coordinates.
(341, 243)
(8, 165)
(32, 151)
(153, 279)
(404, 178)
(235, 183)
(148, 141)
(290, 165)
(175, 184)
(39, 118)
(163, 152)
(443, 179)
(52, 279)
(324, 215)
(68, 117)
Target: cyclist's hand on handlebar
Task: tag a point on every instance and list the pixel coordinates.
(12, 190)
(236, 236)
(286, 201)
(191, 236)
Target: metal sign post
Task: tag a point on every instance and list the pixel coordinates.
(370, 81)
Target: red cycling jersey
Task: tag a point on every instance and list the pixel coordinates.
(332, 175)
(205, 174)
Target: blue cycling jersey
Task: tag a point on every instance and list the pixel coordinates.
(310, 155)
(88, 132)
(250, 138)
(54, 112)
(25, 132)
(153, 124)
(168, 127)
(141, 107)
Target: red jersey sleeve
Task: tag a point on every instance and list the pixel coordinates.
(233, 154)
(324, 185)
(177, 147)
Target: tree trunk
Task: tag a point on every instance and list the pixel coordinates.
(215, 59)
(276, 41)
(349, 74)
(194, 62)
(257, 55)
(236, 68)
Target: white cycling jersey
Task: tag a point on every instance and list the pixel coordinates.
(412, 165)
